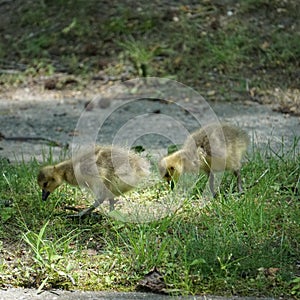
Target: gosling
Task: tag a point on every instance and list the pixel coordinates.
(107, 171)
(213, 148)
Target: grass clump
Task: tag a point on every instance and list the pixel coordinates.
(236, 245)
(50, 257)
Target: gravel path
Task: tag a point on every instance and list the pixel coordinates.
(153, 124)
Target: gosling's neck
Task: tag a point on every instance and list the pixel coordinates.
(66, 171)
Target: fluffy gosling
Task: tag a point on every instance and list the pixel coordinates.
(107, 172)
(212, 148)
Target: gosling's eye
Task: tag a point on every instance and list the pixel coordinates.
(45, 184)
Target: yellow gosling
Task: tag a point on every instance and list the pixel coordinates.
(107, 172)
(212, 148)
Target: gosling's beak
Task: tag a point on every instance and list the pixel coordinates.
(170, 180)
(45, 195)
(172, 184)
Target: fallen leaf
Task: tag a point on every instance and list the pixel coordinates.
(152, 282)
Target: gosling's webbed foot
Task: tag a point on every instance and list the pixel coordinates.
(82, 214)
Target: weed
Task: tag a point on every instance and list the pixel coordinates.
(50, 257)
(140, 56)
(296, 286)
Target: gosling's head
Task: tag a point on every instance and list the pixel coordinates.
(171, 167)
(48, 180)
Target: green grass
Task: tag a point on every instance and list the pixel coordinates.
(236, 245)
(194, 44)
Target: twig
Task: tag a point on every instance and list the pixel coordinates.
(30, 138)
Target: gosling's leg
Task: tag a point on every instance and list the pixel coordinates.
(237, 173)
(87, 211)
(112, 202)
(212, 183)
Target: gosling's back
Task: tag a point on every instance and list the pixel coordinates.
(219, 146)
(119, 169)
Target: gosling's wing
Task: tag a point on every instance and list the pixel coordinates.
(217, 145)
(209, 142)
(85, 164)
(132, 169)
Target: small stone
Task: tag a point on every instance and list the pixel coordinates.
(211, 93)
(104, 103)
